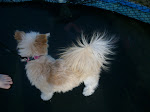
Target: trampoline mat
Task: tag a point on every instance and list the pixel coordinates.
(124, 88)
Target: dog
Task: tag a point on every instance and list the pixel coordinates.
(80, 63)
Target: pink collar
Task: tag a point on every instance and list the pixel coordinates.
(32, 58)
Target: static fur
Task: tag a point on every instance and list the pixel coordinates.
(80, 63)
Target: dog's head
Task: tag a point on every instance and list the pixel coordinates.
(32, 43)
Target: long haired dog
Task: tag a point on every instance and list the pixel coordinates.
(80, 63)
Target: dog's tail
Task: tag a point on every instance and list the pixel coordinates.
(89, 56)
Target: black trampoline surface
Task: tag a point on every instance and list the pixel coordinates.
(124, 88)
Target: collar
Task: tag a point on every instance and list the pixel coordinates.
(32, 58)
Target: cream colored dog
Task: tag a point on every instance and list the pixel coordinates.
(77, 64)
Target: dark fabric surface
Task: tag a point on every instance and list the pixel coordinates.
(124, 88)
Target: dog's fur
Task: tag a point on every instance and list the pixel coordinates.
(77, 64)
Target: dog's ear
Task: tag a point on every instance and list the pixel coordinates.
(48, 35)
(19, 35)
(42, 38)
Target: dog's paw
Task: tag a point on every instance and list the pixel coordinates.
(88, 91)
(46, 97)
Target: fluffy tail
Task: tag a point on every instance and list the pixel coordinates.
(89, 56)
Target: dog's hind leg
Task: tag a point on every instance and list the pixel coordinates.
(90, 85)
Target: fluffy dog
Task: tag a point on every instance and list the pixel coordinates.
(80, 63)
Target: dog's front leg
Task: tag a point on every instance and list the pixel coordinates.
(46, 96)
